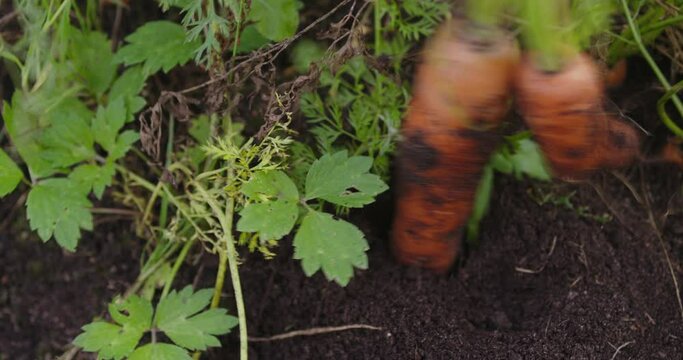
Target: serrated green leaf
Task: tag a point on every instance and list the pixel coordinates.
(160, 351)
(59, 208)
(130, 83)
(123, 144)
(275, 210)
(94, 177)
(269, 184)
(200, 129)
(343, 180)
(113, 341)
(158, 45)
(335, 246)
(10, 174)
(69, 139)
(93, 59)
(28, 117)
(275, 19)
(127, 87)
(108, 122)
(179, 317)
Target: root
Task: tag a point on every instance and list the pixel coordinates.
(313, 331)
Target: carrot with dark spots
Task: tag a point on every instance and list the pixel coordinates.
(461, 94)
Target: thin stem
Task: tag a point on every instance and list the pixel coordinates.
(220, 278)
(639, 41)
(163, 213)
(378, 26)
(485, 12)
(229, 255)
(542, 32)
(176, 266)
(235, 278)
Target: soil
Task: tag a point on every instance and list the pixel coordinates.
(545, 282)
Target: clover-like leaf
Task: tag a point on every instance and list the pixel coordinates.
(59, 207)
(335, 246)
(116, 341)
(343, 180)
(179, 315)
(274, 210)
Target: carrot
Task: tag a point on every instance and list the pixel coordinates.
(563, 108)
(461, 94)
(615, 76)
(620, 146)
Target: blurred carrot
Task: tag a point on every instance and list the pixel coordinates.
(461, 94)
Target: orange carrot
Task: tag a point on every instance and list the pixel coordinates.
(615, 76)
(564, 110)
(461, 94)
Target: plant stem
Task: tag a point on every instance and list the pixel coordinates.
(485, 12)
(235, 278)
(163, 213)
(228, 254)
(542, 31)
(176, 266)
(660, 76)
(378, 26)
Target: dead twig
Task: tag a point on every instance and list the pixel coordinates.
(313, 331)
(619, 348)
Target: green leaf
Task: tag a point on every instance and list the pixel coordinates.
(159, 45)
(528, 160)
(93, 59)
(251, 39)
(130, 83)
(179, 317)
(60, 208)
(69, 139)
(306, 52)
(94, 177)
(123, 144)
(482, 199)
(113, 341)
(10, 174)
(108, 122)
(160, 351)
(275, 19)
(343, 180)
(200, 129)
(29, 117)
(276, 210)
(127, 87)
(335, 246)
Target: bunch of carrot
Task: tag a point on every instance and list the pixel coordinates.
(462, 92)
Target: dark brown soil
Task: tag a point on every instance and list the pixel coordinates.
(601, 287)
